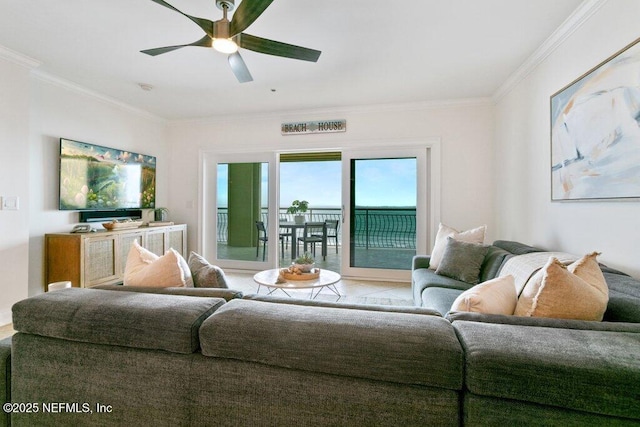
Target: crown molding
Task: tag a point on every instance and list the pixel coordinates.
(73, 87)
(18, 58)
(581, 15)
(336, 111)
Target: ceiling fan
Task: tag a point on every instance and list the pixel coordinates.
(227, 36)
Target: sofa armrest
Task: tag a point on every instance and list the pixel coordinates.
(5, 378)
(134, 320)
(584, 370)
(420, 261)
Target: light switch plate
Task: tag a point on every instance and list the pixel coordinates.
(10, 203)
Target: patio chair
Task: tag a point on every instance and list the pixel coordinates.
(315, 232)
(262, 237)
(285, 234)
(332, 230)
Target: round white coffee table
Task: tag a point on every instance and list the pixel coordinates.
(269, 278)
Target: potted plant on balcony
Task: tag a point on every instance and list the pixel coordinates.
(304, 263)
(298, 207)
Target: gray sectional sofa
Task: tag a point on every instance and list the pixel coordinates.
(107, 357)
(538, 371)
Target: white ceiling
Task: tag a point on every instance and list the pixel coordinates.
(373, 52)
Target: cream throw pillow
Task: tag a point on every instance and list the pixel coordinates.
(578, 291)
(496, 296)
(475, 235)
(144, 268)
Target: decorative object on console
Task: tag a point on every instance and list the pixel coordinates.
(144, 268)
(475, 235)
(495, 296)
(83, 228)
(205, 275)
(578, 291)
(595, 133)
(161, 214)
(121, 225)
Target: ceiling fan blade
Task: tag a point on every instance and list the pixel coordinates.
(239, 68)
(205, 24)
(203, 42)
(271, 47)
(246, 13)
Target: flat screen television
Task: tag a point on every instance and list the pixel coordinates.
(96, 178)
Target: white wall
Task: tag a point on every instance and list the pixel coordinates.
(61, 110)
(465, 130)
(14, 181)
(524, 211)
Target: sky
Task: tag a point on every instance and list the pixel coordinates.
(379, 182)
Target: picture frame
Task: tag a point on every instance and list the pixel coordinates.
(595, 131)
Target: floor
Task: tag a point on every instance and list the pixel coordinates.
(6, 331)
(346, 287)
(395, 258)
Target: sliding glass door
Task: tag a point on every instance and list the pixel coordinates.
(380, 209)
(384, 200)
(240, 222)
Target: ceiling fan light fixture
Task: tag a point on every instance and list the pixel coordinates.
(225, 45)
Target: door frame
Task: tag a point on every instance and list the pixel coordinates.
(422, 215)
(432, 146)
(208, 218)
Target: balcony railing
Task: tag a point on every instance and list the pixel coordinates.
(374, 227)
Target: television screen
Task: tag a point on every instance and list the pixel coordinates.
(101, 178)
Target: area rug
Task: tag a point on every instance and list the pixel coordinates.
(365, 300)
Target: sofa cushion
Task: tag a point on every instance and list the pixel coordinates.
(427, 278)
(475, 235)
(493, 261)
(585, 370)
(439, 299)
(424, 278)
(130, 319)
(496, 296)
(395, 347)
(144, 268)
(205, 275)
(624, 298)
(558, 291)
(462, 260)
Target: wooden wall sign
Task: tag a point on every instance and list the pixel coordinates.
(318, 126)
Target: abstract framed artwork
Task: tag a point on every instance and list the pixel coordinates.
(595, 132)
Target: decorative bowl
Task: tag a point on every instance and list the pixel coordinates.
(305, 268)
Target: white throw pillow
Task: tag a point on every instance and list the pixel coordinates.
(475, 235)
(144, 268)
(496, 296)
